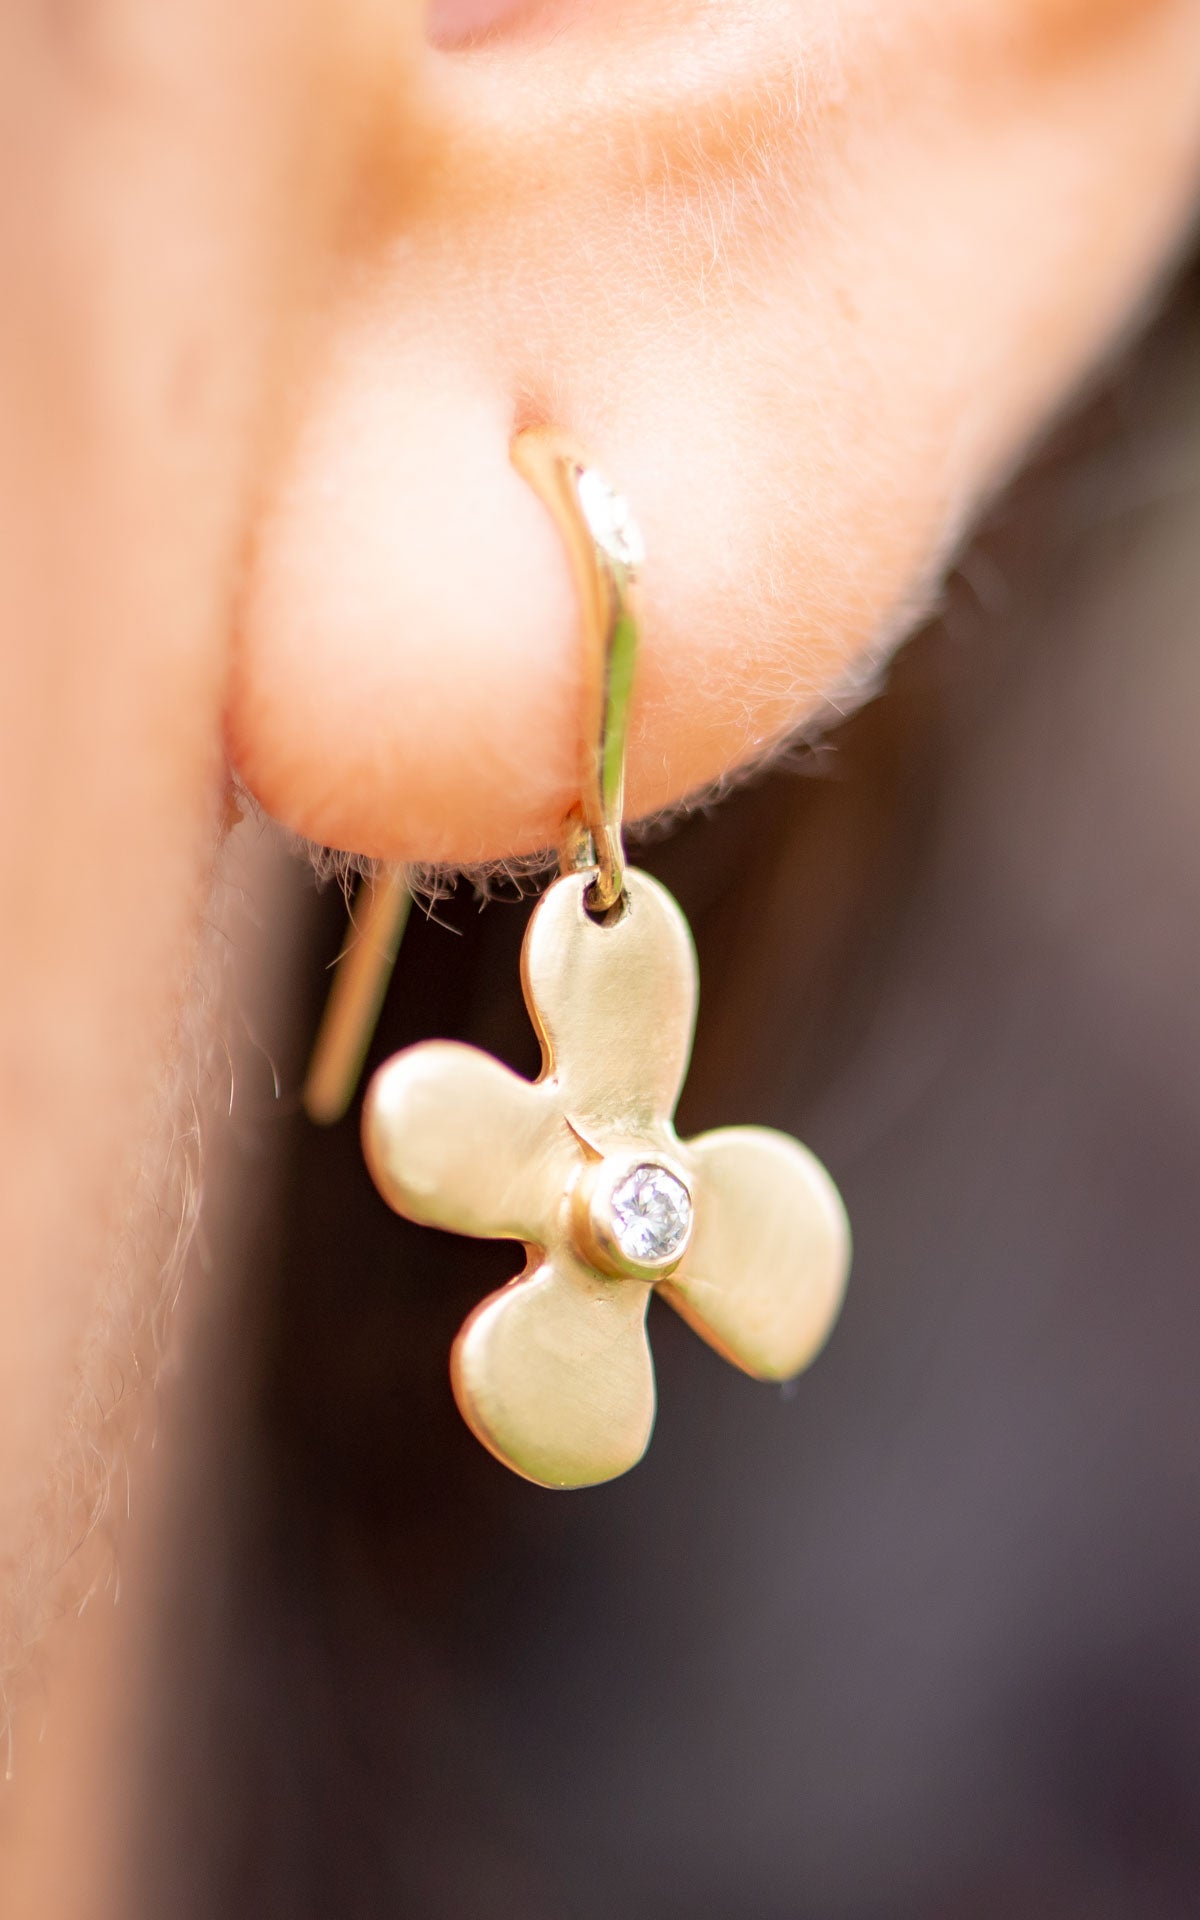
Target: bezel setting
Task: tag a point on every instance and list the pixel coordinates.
(593, 1218)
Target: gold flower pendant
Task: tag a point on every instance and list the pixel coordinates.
(741, 1230)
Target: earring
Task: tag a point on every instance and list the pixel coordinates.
(741, 1230)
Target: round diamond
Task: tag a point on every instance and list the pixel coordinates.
(608, 515)
(651, 1214)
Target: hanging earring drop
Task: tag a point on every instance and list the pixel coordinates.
(741, 1230)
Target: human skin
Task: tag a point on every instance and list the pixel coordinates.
(280, 281)
(804, 275)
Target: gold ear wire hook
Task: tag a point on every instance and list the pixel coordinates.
(605, 551)
(360, 982)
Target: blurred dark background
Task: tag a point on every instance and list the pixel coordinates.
(919, 1637)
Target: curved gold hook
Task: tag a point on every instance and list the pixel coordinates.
(605, 551)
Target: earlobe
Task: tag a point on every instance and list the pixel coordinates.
(804, 301)
(404, 675)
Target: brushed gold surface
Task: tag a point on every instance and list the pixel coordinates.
(454, 1139)
(553, 1372)
(554, 1375)
(766, 1269)
(614, 1005)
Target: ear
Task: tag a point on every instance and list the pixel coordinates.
(803, 277)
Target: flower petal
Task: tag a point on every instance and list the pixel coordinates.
(554, 1375)
(454, 1139)
(615, 1005)
(764, 1276)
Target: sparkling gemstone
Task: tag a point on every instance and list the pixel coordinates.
(651, 1214)
(607, 514)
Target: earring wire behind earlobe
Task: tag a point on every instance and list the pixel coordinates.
(362, 972)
